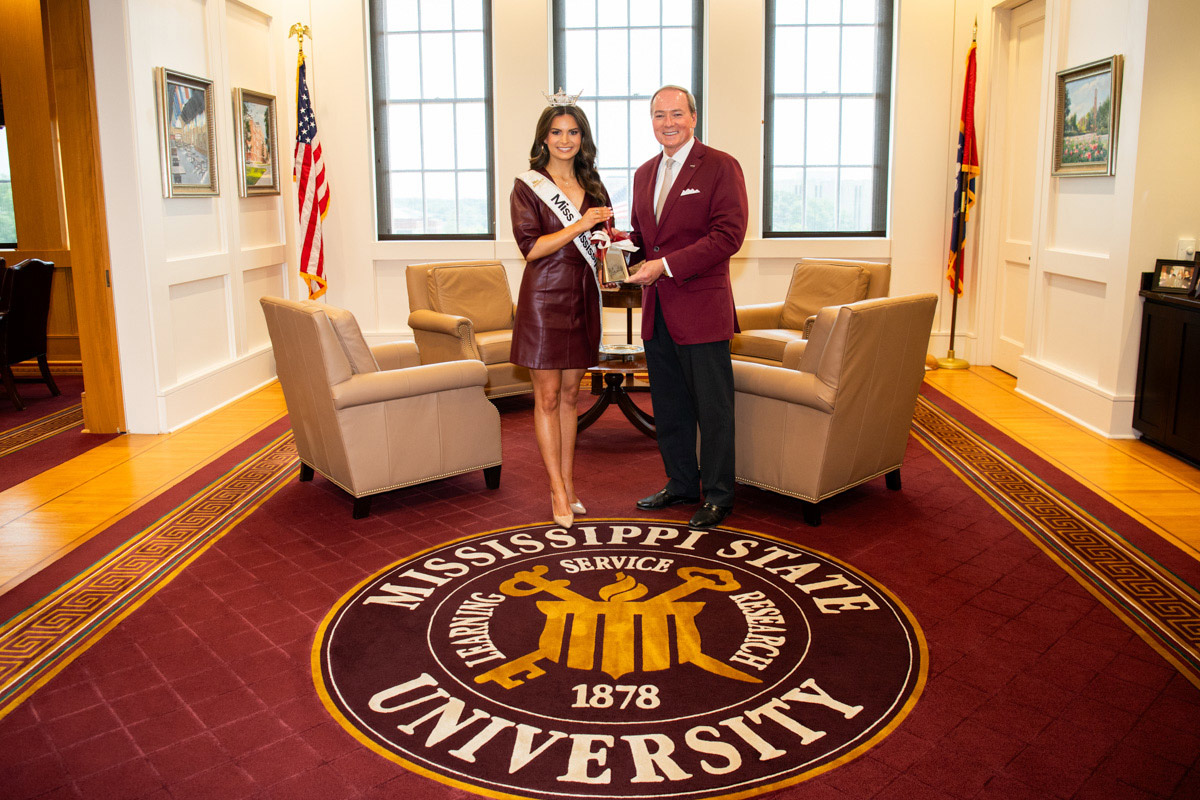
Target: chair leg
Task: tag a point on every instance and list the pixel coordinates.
(491, 477)
(10, 386)
(892, 479)
(46, 376)
(362, 507)
(306, 472)
(811, 513)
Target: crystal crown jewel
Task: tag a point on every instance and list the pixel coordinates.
(561, 98)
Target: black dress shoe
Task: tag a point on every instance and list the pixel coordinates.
(663, 499)
(709, 516)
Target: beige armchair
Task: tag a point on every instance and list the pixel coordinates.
(842, 416)
(464, 310)
(371, 419)
(767, 328)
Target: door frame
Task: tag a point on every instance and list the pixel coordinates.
(70, 49)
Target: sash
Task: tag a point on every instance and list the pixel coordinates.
(563, 208)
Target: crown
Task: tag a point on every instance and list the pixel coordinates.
(561, 98)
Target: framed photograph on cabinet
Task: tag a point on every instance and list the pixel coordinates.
(1087, 108)
(187, 142)
(1174, 277)
(257, 157)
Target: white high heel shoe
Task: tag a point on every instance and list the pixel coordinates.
(564, 520)
(578, 508)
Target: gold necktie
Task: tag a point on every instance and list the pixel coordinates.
(662, 192)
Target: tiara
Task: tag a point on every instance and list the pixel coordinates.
(561, 98)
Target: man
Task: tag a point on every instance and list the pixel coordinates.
(689, 216)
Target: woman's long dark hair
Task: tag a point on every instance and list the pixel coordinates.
(585, 159)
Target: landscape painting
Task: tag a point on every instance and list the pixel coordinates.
(1086, 116)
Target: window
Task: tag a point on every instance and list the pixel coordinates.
(8, 220)
(432, 89)
(828, 117)
(618, 53)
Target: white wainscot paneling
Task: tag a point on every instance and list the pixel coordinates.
(173, 34)
(199, 312)
(259, 220)
(1097, 29)
(255, 284)
(192, 225)
(249, 47)
(1082, 215)
(1072, 339)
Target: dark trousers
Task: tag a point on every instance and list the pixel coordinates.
(691, 385)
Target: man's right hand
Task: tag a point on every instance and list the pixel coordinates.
(648, 274)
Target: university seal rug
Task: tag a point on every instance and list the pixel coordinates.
(237, 638)
(619, 659)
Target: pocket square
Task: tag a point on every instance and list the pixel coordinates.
(686, 192)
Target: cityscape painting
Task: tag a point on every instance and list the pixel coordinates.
(186, 140)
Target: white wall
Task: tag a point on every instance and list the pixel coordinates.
(187, 272)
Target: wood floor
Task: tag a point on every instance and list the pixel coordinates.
(1155, 488)
(48, 515)
(59, 509)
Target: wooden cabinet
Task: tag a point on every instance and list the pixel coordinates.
(1166, 408)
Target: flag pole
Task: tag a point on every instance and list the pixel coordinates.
(950, 361)
(964, 197)
(300, 30)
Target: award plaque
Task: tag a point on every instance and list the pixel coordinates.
(615, 270)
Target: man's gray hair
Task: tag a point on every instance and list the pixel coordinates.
(691, 100)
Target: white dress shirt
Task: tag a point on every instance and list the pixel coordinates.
(680, 158)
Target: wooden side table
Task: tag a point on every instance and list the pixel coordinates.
(614, 373)
(628, 297)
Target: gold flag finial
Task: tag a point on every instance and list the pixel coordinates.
(300, 30)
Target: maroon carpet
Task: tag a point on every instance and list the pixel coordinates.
(38, 400)
(45, 434)
(1035, 689)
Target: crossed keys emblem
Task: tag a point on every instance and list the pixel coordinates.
(620, 608)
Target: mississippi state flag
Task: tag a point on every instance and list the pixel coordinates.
(312, 192)
(968, 171)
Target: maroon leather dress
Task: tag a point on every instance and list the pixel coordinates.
(557, 324)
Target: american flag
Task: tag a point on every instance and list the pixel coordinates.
(313, 192)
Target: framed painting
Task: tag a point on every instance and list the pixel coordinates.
(187, 142)
(1087, 108)
(257, 156)
(1174, 277)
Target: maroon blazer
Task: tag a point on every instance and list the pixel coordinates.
(703, 223)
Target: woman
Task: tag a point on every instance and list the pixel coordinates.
(556, 333)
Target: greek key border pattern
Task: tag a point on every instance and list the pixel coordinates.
(1154, 599)
(46, 637)
(32, 432)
